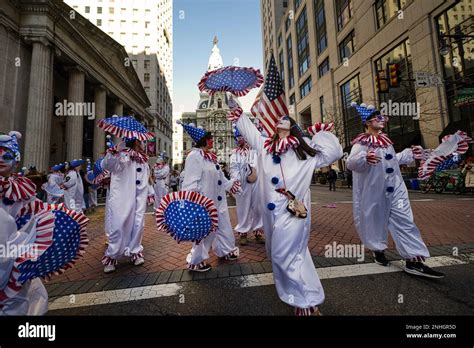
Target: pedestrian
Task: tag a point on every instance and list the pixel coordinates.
(204, 175)
(73, 187)
(243, 167)
(380, 197)
(161, 172)
(332, 178)
(349, 178)
(126, 206)
(55, 194)
(174, 179)
(286, 162)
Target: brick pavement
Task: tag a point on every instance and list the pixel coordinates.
(441, 222)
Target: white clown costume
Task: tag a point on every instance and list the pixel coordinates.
(73, 188)
(53, 188)
(162, 174)
(287, 236)
(242, 161)
(204, 175)
(380, 197)
(126, 203)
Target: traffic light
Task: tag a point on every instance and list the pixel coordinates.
(394, 75)
(381, 83)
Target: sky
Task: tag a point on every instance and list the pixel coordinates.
(237, 25)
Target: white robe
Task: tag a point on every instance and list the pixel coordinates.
(248, 208)
(287, 236)
(202, 176)
(126, 204)
(32, 299)
(74, 191)
(377, 211)
(55, 180)
(161, 183)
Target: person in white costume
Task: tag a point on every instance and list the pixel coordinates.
(53, 187)
(73, 187)
(380, 198)
(162, 176)
(243, 162)
(126, 202)
(15, 193)
(286, 162)
(204, 175)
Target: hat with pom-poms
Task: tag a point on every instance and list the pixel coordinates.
(364, 110)
(10, 142)
(196, 133)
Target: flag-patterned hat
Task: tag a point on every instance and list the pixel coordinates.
(10, 142)
(195, 133)
(125, 127)
(98, 173)
(234, 79)
(363, 110)
(186, 216)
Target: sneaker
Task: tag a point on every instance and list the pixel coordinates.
(202, 267)
(231, 257)
(243, 240)
(259, 239)
(420, 269)
(139, 261)
(109, 268)
(380, 259)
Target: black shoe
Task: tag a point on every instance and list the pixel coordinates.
(202, 267)
(420, 269)
(380, 259)
(231, 257)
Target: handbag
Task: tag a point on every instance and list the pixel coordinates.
(252, 177)
(295, 207)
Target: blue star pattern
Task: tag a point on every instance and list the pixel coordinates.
(195, 133)
(66, 241)
(363, 110)
(187, 221)
(125, 127)
(447, 164)
(231, 80)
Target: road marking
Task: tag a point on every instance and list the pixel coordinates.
(422, 200)
(175, 289)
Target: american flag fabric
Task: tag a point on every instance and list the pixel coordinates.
(125, 127)
(17, 188)
(374, 141)
(270, 105)
(236, 80)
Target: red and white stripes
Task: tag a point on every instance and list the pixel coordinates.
(280, 146)
(234, 114)
(209, 156)
(376, 141)
(17, 188)
(372, 158)
(319, 127)
(236, 187)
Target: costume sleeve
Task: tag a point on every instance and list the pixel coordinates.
(114, 161)
(235, 167)
(328, 147)
(250, 132)
(162, 173)
(405, 157)
(193, 172)
(357, 160)
(70, 179)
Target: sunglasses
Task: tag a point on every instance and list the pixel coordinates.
(7, 156)
(380, 118)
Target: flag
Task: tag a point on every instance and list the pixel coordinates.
(270, 105)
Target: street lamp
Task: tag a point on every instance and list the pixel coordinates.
(458, 36)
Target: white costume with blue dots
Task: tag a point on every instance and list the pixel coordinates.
(287, 236)
(74, 191)
(205, 176)
(126, 204)
(380, 199)
(55, 180)
(248, 209)
(162, 177)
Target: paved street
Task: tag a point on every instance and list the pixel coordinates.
(163, 286)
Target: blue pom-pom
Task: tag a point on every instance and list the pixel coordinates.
(138, 182)
(219, 198)
(219, 182)
(276, 159)
(275, 180)
(388, 156)
(271, 206)
(389, 170)
(7, 201)
(139, 170)
(218, 167)
(390, 189)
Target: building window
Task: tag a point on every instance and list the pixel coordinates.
(350, 91)
(302, 43)
(305, 88)
(346, 47)
(99, 10)
(386, 9)
(111, 10)
(282, 68)
(297, 4)
(146, 64)
(99, 22)
(146, 77)
(111, 22)
(147, 25)
(87, 9)
(323, 67)
(292, 99)
(343, 13)
(134, 63)
(123, 11)
(320, 19)
(279, 40)
(321, 108)
(289, 51)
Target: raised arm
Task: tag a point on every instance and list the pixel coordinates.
(328, 146)
(245, 126)
(360, 159)
(405, 157)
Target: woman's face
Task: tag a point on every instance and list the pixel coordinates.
(7, 161)
(283, 133)
(210, 143)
